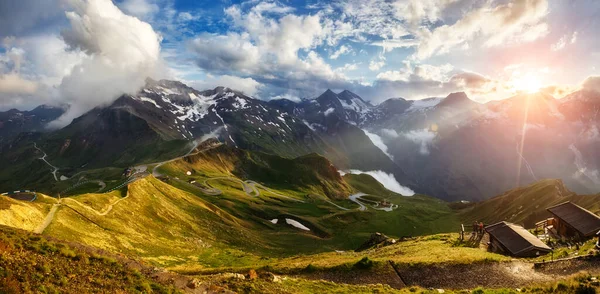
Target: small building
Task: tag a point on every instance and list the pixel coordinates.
(574, 221)
(510, 239)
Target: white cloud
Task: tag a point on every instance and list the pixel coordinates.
(347, 67)
(378, 142)
(376, 65)
(246, 85)
(264, 43)
(140, 8)
(288, 96)
(515, 21)
(389, 45)
(121, 52)
(591, 83)
(186, 16)
(422, 137)
(376, 18)
(226, 52)
(563, 41)
(52, 58)
(283, 37)
(390, 133)
(424, 80)
(422, 72)
(387, 180)
(341, 51)
(15, 84)
(416, 12)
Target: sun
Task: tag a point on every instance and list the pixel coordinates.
(528, 84)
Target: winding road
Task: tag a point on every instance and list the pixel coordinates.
(330, 202)
(248, 188)
(354, 198)
(102, 185)
(255, 184)
(251, 188)
(158, 164)
(362, 207)
(55, 169)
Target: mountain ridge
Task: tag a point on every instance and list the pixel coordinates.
(418, 141)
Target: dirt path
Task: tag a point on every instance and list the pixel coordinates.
(49, 217)
(492, 275)
(108, 209)
(512, 274)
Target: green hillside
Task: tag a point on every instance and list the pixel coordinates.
(224, 209)
(311, 173)
(218, 217)
(525, 205)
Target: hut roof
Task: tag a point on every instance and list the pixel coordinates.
(579, 218)
(515, 238)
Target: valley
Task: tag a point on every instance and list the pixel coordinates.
(288, 189)
(299, 147)
(220, 209)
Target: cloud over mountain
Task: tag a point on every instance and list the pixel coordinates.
(120, 53)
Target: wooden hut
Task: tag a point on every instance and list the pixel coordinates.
(510, 239)
(574, 221)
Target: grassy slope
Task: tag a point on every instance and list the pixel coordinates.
(33, 264)
(228, 230)
(175, 225)
(526, 205)
(310, 173)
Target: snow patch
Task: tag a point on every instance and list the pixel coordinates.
(387, 180)
(240, 103)
(423, 104)
(329, 111)
(296, 224)
(146, 99)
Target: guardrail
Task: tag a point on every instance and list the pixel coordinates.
(21, 191)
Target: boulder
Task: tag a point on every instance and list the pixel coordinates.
(270, 277)
(376, 240)
(194, 283)
(252, 275)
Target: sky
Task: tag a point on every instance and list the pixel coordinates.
(86, 53)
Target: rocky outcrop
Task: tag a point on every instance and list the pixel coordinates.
(376, 240)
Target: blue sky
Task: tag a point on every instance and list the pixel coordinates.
(67, 51)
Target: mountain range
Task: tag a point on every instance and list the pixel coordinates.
(452, 148)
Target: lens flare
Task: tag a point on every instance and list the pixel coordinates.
(527, 84)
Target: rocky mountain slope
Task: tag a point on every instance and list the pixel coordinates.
(13, 121)
(453, 147)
